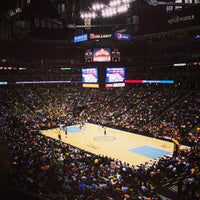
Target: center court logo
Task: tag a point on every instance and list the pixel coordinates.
(104, 138)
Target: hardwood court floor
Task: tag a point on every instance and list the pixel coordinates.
(115, 144)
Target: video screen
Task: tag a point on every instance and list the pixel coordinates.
(115, 55)
(90, 75)
(88, 55)
(101, 55)
(115, 75)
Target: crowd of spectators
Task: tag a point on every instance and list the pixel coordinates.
(56, 170)
(152, 111)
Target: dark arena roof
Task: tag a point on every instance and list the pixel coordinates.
(131, 65)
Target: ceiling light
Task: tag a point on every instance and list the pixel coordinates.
(97, 6)
(88, 15)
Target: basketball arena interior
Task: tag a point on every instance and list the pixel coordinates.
(100, 100)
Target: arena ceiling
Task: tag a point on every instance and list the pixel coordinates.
(67, 12)
(60, 19)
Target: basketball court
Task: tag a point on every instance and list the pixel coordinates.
(127, 147)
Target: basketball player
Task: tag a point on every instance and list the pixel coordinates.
(80, 124)
(61, 127)
(66, 132)
(59, 135)
(104, 129)
(82, 127)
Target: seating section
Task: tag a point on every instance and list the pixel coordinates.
(52, 169)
